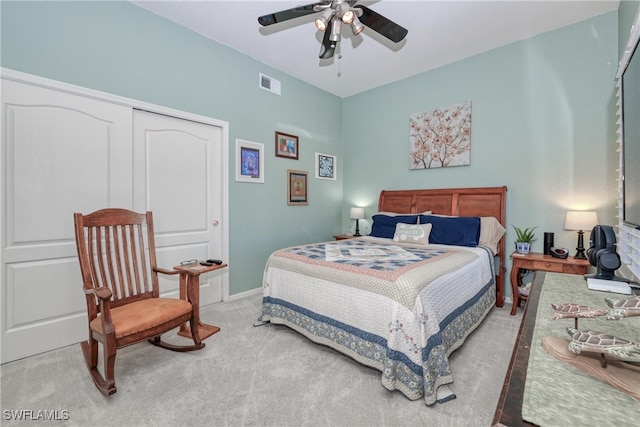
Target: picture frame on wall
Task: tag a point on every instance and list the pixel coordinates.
(326, 165)
(286, 146)
(297, 187)
(249, 161)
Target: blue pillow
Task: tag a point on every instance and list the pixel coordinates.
(459, 230)
(385, 226)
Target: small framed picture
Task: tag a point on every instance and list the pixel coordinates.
(286, 145)
(325, 166)
(249, 161)
(297, 187)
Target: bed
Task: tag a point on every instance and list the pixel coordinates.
(402, 299)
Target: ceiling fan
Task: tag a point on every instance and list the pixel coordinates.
(334, 14)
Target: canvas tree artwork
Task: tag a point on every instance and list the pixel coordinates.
(440, 138)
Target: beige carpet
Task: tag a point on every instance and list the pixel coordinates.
(262, 376)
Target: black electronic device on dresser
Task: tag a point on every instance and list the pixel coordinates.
(562, 253)
(602, 253)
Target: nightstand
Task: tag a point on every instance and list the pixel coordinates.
(540, 262)
(342, 236)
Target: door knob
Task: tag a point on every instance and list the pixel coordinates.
(216, 223)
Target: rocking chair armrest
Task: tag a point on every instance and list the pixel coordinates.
(165, 271)
(102, 293)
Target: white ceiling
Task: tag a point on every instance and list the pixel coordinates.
(440, 32)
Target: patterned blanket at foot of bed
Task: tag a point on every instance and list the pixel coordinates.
(402, 316)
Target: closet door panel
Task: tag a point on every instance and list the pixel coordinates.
(62, 153)
(179, 175)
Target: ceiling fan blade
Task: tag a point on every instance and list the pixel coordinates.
(382, 25)
(328, 47)
(285, 15)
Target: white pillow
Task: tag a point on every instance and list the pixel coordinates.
(412, 233)
(491, 231)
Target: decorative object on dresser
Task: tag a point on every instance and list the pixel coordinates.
(576, 311)
(540, 262)
(620, 309)
(599, 344)
(580, 221)
(524, 239)
(357, 214)
(589, 358)
(602, 253)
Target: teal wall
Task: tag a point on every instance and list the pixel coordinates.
(543, 118)
(119, 48)
(543, 124)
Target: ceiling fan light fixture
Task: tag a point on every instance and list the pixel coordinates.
(356, 27)
(348, 16)
(323, 20)
(335, 30)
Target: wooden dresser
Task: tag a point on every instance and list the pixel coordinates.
(558, 393)
(509, 409)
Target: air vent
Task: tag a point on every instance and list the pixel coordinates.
(268, 83)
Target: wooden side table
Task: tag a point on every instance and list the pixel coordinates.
(343, 236)
(190, 280)
(540, 262)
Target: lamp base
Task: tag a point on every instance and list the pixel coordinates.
(580, 249)
(357, 228)
(580, 254)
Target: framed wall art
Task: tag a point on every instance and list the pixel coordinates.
(249, 161)
(297, 187)
(286, 145)
(325, 166)
(440, 138)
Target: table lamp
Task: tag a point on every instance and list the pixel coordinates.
(580, 221)
(357, 214)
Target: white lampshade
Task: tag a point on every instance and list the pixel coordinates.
(357, 213)
(580, 220)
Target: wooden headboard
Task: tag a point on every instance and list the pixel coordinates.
(485, 201)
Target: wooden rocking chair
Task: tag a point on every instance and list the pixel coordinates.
(120, 279)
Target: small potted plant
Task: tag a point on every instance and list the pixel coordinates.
(524, 239)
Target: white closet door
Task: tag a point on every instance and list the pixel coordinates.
(61, 153)
(179, 175)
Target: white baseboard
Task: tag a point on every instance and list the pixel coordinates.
(245, 294)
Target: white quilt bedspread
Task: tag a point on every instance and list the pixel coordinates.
(401, 314)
